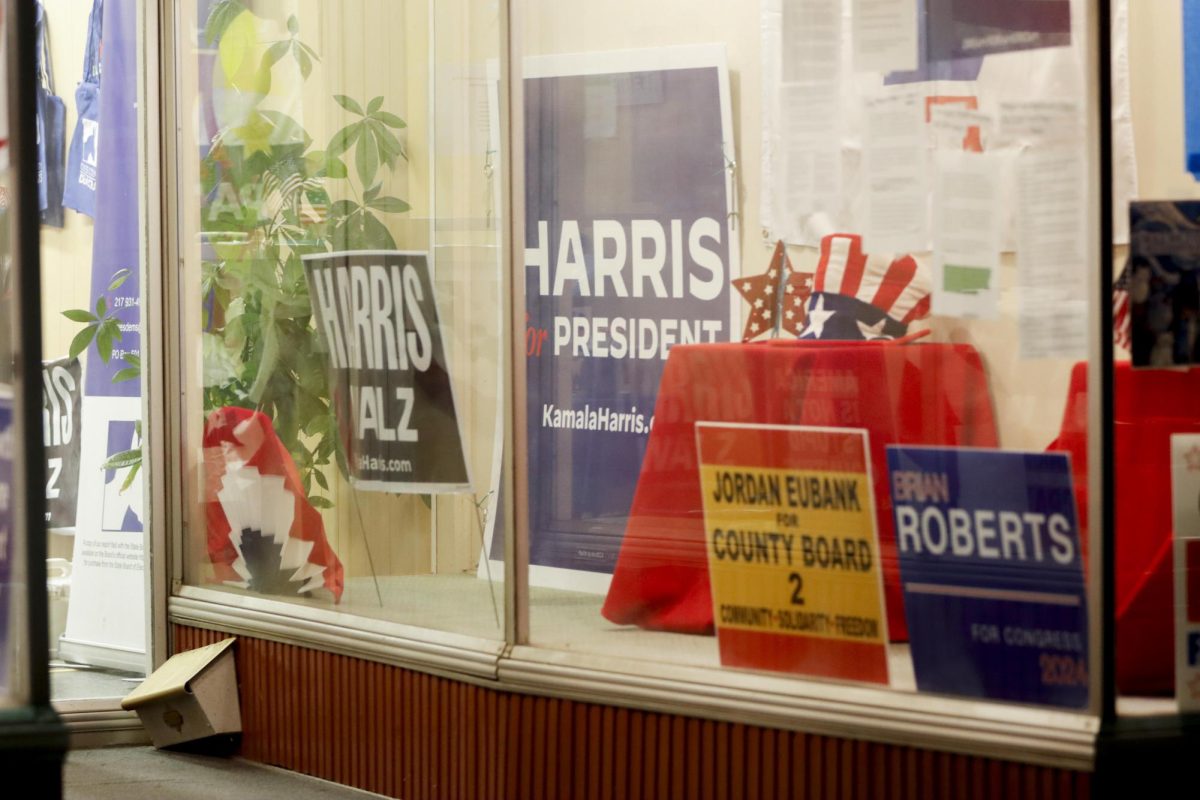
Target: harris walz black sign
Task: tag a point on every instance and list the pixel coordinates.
(392, 397)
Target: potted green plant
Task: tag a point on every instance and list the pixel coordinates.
(268, 192)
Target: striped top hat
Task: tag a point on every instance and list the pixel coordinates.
(858, 297)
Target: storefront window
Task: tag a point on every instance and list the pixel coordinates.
(92, 231)
(1156, 446)
(12, 608)
(340, 273)
(805, 299)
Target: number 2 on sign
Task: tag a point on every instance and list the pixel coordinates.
(798, 582)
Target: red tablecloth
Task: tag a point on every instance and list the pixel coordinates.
(934, 394)
(1149, 405)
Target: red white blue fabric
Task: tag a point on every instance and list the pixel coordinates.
(859, 297)
(263, 533)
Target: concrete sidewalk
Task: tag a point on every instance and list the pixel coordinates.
(132, 773)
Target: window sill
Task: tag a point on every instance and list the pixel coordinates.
(337, 632)
(1025, 734)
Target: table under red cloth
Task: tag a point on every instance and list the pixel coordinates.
(1148, 405)
(934, 394)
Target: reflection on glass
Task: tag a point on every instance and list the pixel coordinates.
(798, 281)
(91, 300)
(342, 334)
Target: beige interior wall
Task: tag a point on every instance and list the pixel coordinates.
(467, 257)
(1156, 87)
(66, 251)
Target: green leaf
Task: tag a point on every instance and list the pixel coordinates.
(79, 315)
(366, 160)
(274, 53)
(336, 168)
(119, 278)
(390, 119)
(372, 193)
(269, 355)
(321, 480)
(349, 104)
(344, 139)
(287, 131)
(101, 306)
(390, 205)
(82, 340)
(343, 208)
(320, 502)
(127, 374)
(293, 25)
(375, 104)
(134, 361)
(389, 145)
(305, 62)
(130, 477)
(375, 234)
(308, 51)
(123, 459)
(104, 342)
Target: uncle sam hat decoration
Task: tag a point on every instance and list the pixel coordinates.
(859, 297)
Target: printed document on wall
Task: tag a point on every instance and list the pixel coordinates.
(803, 55)
(1051, 254)
(966, 235)
(895, 154)
(885, 35)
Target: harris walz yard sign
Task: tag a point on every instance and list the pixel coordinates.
(392, 397)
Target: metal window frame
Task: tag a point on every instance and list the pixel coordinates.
(31, 733)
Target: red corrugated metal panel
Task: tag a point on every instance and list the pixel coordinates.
(415, 736)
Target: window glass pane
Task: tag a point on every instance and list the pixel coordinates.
(340, 275)
(91, 243)
(12, 608)
(1156, 447)
(805, 297)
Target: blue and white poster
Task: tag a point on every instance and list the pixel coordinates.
(991, 569)
(630, 248)
(115, 240)
(105, 623)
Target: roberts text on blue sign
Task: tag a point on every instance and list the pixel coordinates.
(992, 573)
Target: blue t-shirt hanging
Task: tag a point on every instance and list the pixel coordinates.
(82, 160)
(51, 122)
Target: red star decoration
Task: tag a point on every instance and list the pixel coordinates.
(1192, 457)
(762, 293)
